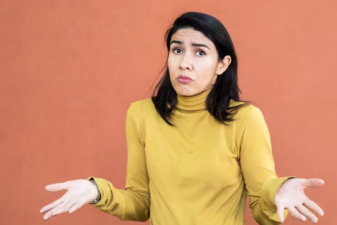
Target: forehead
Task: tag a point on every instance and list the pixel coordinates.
(190, 35)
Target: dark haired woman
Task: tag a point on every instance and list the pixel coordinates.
(195, 150)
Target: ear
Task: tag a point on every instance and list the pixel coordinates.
(223, 65)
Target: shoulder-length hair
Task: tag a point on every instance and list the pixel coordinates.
(226, 86)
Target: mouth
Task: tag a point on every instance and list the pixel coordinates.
(184, 79)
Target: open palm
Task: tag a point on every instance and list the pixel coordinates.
(291, 196)
(79, 192)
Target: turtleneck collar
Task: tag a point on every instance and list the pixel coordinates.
(192, 103)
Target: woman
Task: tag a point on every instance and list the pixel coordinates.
(195, 151)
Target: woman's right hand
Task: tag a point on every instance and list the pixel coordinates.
(79, 192)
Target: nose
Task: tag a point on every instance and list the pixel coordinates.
(185, 62)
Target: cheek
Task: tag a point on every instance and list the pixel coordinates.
(204, 63)
(205, 69)
(170, 63)
(173, 67)
(172, 70)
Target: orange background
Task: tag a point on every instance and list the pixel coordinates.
(70, 69)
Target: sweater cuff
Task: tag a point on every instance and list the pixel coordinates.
(268, 193)
(103, 189)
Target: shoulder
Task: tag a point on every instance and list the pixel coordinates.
(141, 106)
(250, 119)
(136, 116)
(246, 113)
(139, 110)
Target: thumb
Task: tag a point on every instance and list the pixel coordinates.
(312, 183)
(58, 187)
(280, 213)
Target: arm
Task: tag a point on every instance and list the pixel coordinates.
(258, 169)
(133, 202)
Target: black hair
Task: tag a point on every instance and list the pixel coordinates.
(226, 85)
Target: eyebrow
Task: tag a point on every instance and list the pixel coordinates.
(193, 44)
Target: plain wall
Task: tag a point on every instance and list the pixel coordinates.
(70, 69)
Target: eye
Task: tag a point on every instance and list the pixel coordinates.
(176, 49)
(202, 52)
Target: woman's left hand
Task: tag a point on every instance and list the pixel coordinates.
(291, 196)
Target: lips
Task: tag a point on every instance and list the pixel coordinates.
(182, 77)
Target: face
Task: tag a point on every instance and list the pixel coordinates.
(194, 56)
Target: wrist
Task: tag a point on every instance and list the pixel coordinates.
(98, 197)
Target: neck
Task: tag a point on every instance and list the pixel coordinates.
(192, 103)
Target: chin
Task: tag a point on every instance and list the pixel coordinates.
(186, 91)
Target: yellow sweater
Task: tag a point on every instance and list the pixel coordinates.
(199, 172)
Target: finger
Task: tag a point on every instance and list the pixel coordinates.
(306, 212)
(57, 187)
(71, 204)
(57, 210)
(296, 214)
(48, 215)
(64, 207)
(312, 183)
(53, 211)
(52, 205)
(312, 205)
(280, 213)
(76, 206)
